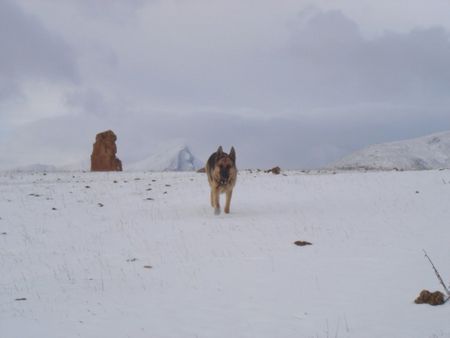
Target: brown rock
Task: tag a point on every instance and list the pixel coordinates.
(302, 243)
(426, 297)
(274, 170)
(104, 151)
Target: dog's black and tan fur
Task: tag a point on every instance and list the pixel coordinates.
(222, 174)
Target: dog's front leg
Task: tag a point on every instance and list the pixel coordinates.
(213, 203)
(215, 195)
(229, 193)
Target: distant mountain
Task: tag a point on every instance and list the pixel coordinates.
(428, 152)
(38, 167)
(172, 156)
(83, 165)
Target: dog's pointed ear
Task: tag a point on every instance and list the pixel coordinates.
(219, 152)
(233, 154)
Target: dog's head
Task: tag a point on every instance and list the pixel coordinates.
(225, 168)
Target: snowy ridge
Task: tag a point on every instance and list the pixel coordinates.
(83, 165)
(172, 156)
(38, 167)
(428, 152)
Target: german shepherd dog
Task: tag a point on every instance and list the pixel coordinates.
(222, 175)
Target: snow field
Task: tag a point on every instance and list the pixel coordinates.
(102, 255)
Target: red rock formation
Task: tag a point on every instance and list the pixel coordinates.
(103, 156)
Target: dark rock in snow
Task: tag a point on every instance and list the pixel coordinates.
(432, 298)
(302, 243)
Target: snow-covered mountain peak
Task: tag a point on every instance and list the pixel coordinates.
(170, 156)
(427, 152)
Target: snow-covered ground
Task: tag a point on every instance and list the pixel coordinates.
(142, 255)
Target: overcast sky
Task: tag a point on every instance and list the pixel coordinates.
(291, 83)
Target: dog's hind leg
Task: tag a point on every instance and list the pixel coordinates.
(229, 193)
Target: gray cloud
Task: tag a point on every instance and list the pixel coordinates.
(335, 65)
(30, 51)
(116, 10)
(326, 62)
(299, 93)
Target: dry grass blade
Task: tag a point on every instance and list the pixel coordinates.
(437, 274)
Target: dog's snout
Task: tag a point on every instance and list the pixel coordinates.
(224, 174)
